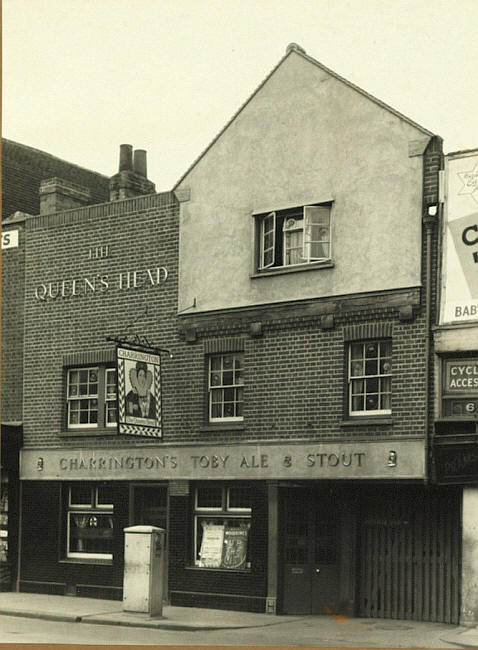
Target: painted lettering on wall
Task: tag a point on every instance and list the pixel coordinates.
(121, 462)
(212, 462)
(98, 284)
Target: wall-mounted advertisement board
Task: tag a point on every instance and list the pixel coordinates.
(459, 290)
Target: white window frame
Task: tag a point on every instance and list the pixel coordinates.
(208, 508)
(216, 387)
(79, 398)
(271, 217)
(110, 399)
(89, 510)
(223, 513)
(288, 228)
(100, 396)
(364, 377)
(303, 221)
(308, 241)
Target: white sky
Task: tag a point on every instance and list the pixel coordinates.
(81, 77)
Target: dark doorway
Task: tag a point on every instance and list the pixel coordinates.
(150, 505)
(150, 508)
(311, 552)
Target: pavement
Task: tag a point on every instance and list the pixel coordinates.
(110, 612)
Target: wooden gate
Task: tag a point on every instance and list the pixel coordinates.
(410, 554)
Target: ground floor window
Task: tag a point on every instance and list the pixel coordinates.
(222, 521)
(90, 521)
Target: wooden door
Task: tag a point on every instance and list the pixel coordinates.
(310, 553)
(410, 554)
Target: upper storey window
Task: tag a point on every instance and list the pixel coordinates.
(294, 236)
(370, 377)
(91, 397)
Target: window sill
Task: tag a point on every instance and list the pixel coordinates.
(71, 433)
(85, 560)
(221, 426)
(366, 421)
(313, 266)
(207, 568)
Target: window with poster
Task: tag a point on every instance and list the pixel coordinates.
(222, 522)
(460, 388)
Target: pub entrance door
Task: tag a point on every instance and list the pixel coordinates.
(311, 551)
(149, 507)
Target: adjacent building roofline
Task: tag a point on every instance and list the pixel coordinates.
(49, 155)
(293, 47)
(463, 152)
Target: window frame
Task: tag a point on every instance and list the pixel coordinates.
(223, 513)
(462, 396)
(94, 509)
(281, 232)
(216, 387)
(101, 397)
(363, 377)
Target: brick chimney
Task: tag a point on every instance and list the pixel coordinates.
(131, 179)
(57, 194)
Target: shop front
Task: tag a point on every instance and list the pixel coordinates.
(306, 528)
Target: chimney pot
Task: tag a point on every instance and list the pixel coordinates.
(139, 162)
(126, 157)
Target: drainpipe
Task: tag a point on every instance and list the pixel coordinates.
(432, 215)
(429, 222)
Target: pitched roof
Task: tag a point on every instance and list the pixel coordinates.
(293, 47)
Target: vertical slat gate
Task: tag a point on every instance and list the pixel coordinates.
(410, 554)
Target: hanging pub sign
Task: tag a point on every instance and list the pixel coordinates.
(139, 392)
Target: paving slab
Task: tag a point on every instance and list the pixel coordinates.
(336, 630)
(110, 612)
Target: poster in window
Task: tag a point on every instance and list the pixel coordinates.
(139, 392)
(235, 548)
(210, 554)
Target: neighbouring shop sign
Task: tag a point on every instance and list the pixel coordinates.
(461, 375)
(139, 392)
(456, 464)
(391, 459)
(10, 239)
(459, 300)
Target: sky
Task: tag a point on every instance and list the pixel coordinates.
(81, 77)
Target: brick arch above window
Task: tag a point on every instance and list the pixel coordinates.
(90, 356)
(365, 331)
(225, 344)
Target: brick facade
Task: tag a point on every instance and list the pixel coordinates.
(140, 233)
